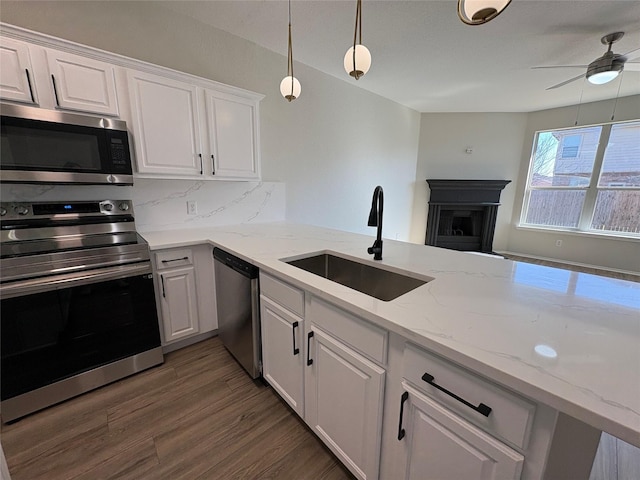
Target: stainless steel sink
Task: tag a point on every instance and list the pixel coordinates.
(379, 283)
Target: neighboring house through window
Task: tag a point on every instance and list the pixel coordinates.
(570, 145)
(585, 179)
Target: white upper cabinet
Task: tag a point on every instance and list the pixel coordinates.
(165, 124)
(183, 130)
(16, 74)
(55, 79)
(82, 84)
(232, 132)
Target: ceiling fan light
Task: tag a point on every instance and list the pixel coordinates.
(604, 70)
(478, 12)
(603, 77)
(290, 88)
(362, 63)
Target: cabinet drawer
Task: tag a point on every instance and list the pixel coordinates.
(511, 416)
(175, 257)
(282, 293)
(359, 334)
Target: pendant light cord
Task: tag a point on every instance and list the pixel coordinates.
(357, 32)
(290, 56)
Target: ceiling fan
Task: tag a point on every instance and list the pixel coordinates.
(603, 69)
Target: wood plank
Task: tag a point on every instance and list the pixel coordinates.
(136, 462)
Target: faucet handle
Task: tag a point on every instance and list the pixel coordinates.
(376, 250)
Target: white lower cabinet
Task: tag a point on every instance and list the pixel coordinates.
(344, 397)
(179, 303)
(282, 352)
(438, 444)
(185, 289)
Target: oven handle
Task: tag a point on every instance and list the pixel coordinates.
(76, 279)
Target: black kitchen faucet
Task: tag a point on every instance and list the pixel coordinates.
(375, 220)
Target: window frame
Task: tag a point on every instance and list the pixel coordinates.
(591, 190)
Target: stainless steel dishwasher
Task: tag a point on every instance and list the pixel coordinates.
(238, 296)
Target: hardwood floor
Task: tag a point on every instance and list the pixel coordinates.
(197, 416)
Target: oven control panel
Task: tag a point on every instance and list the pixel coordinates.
(23, 210)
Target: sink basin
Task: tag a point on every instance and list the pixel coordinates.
(374, 281)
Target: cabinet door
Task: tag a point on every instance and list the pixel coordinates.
(233, 136)
(82, 83)
(440, 444)
(343, 402)
(16, 74)
(283, 352)
(179, 303)
(165, 125)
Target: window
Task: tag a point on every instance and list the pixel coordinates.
(585, 179)
(570, 146)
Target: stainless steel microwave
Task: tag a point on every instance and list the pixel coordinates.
(49, 146)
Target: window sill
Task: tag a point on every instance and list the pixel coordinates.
(630, 237)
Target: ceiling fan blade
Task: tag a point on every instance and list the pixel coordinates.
(632, 67)
(565, 82)
(561, 66)
(632, 51)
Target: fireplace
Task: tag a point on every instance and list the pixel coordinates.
(462, 213)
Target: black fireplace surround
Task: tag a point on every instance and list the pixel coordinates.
(462, 213)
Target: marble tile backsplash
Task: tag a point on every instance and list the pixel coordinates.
(162, 204)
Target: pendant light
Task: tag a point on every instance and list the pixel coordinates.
(478, 12)
(357, 60)
(290, 86)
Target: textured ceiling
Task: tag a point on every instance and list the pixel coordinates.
(427, 59)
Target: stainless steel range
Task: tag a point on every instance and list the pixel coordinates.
(77, 299)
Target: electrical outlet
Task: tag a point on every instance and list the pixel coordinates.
(558, 243)
(192, 207)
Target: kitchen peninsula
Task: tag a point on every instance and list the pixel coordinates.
(567, 341)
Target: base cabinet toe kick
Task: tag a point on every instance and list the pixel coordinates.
(389, 409)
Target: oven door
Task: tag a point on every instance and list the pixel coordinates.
(55, 328)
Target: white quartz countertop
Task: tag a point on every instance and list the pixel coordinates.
(485, 313)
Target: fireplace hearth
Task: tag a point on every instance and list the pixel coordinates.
(462, 213)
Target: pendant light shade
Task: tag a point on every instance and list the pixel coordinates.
(357, 65)
(290, 87)
(478, 12)
(357, 60)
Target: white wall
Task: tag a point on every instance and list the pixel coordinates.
(589, 249)
(496, 140)
(330, 147)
